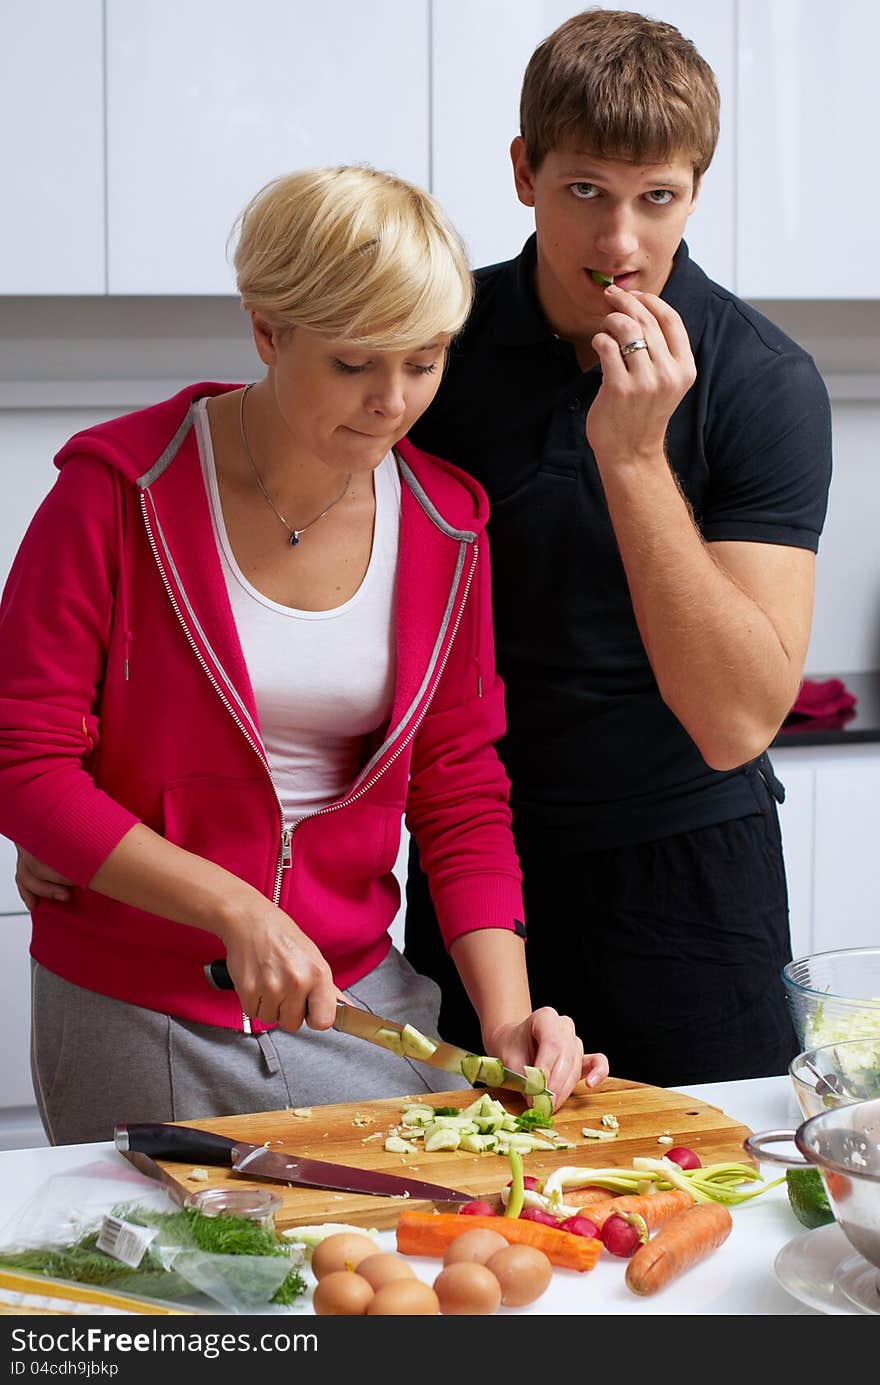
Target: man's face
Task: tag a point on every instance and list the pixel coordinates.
(621, 219)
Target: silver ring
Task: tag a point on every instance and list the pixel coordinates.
(638, 345)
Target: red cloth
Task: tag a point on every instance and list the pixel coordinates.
(822, 699)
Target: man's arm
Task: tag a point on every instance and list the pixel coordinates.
(725, 625)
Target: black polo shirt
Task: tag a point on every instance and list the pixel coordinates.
(594, 754)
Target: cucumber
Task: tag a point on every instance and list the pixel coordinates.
(415, 1045)
(542, 1103)
(470, 1066)
(491, 1071)
(442, 1137)
(390, 1039)
(603, 280)
(536, 1082)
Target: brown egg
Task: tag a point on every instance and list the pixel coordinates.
(404, 1296)
(522, 1272)
(467, 1287)
(383, 1267)
(341, 1293)
(476, 1245)
(344, 1250)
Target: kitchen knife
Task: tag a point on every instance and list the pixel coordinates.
(184, 1145)
(405, 1042)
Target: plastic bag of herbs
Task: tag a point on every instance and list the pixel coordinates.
(209, 1263)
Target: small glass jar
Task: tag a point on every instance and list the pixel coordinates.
(257, 1204)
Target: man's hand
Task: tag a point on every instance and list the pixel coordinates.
(548, 1040)
(641, 390)
(34, 880)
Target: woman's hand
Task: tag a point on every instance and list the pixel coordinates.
(34, 880)
(279, 974)
(547, 1040)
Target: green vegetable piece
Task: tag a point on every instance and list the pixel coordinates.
(470, 1066)
(390, 1039)
(517, 1185)
(529, 1119)
(603, 280)
(536, 1082)
(416, 1045)
(446, 1111)
(542, 1104)
(441, 1137)
(491, 1071)
(808, 1198)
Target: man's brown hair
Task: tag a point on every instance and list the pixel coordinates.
(621, 86)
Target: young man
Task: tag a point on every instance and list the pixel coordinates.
(657, 459)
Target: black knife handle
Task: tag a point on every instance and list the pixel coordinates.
(175, 1142)
(217, 973)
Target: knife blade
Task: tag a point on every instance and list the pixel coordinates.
(390, 1035)
(184, 1145)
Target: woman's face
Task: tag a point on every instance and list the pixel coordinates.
(344, 405)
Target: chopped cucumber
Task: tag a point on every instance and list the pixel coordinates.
(419, 1115)
(416, 1045)
(536, 1082)
(395, 1145)
(490, 1071)
(470, 1066)
(442, 1137)
(390, 1039)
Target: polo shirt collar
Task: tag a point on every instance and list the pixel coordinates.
(520, 320)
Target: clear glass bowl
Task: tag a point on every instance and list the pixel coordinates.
(834, 996)
(836, 1075)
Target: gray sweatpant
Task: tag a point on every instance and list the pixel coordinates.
(97, 1061)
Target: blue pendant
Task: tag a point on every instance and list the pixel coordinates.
(294, 539)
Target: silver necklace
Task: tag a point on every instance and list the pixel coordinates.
(294, 534)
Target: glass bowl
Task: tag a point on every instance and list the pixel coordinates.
(834, 996)
(836, 1074)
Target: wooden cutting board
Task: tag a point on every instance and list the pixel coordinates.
(339, 1134)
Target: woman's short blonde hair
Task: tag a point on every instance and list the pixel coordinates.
(353, 254)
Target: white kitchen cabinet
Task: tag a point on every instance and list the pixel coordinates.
(807, 198)
(480, 51)
(830, 830)
(206, 103)
(52, 149)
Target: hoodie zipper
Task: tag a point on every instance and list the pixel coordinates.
(285, 853)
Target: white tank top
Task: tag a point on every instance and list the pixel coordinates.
(323, 680)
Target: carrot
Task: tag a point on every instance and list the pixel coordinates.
(431, 1233)
(592, 1195)
(681, 1242)
(655, 1207)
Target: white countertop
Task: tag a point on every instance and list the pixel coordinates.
(737, 1279)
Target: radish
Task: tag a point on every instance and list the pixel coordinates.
(539, 1215)
(685, 1158)
(580, 1226)
(476, 1209)
(530, 1183)
(621, 1237)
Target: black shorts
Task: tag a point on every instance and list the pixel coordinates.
(666, 954)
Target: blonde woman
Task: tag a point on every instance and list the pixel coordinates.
(248, 630)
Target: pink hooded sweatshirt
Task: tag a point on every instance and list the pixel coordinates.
(124, 698)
